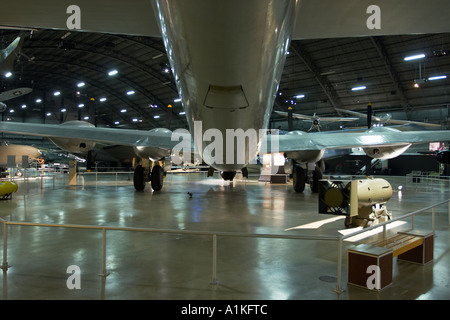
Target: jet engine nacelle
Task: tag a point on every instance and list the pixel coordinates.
(74, 145)
(2, 107)
(443, 156)
(388, 152)
(385, 152)
(304, 156)
(153, 153)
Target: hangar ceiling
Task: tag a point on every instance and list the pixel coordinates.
(324, 71)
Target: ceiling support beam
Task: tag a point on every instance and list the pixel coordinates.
(381, 50)
(326, 86)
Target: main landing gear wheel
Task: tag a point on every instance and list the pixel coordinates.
(138, 179)
(157, 178)
(316, 176)
(299, 179)
(228, 175)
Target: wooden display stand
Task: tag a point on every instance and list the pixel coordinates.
(413, 246)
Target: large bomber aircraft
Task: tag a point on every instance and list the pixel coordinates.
(227, 58)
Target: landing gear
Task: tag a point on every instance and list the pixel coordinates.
(143, 175)
(139, 178)
(314, 180)
(299, 179)
(228, 175)
(157, 178)
(301, 176)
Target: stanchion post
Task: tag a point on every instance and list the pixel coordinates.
(5, 265)
(338, 289)
(432, 219)
(214, 262)
(104, 272)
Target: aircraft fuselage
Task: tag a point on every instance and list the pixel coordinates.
(227, 58)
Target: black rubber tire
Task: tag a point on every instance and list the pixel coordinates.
(316, 176)
(138, 178)
(299, 179)
(157, 178)
(228, 175)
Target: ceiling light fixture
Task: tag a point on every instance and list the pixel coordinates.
(8, 74)
(113, 72)
(415, 57)
(38, 100)
(80, 84)
(359, 88)
(56, 93)
(437, 78)
(156, 117)
(300, 96)
(130, 92)
(102, 99)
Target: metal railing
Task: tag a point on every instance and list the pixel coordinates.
(104, 273)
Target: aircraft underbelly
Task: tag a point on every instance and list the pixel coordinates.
(227, 59)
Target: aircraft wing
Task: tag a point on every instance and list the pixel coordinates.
(316, 19)
(293, 141)
(390, 120)
(343, 140)
(159, 139)
(14, 93)
(324, 119)
(5, 53)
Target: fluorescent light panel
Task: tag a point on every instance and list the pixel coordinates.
(359, 88)
(437, 78)
(415, 57)
(113, 72)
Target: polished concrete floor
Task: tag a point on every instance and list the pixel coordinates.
(158, 265)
